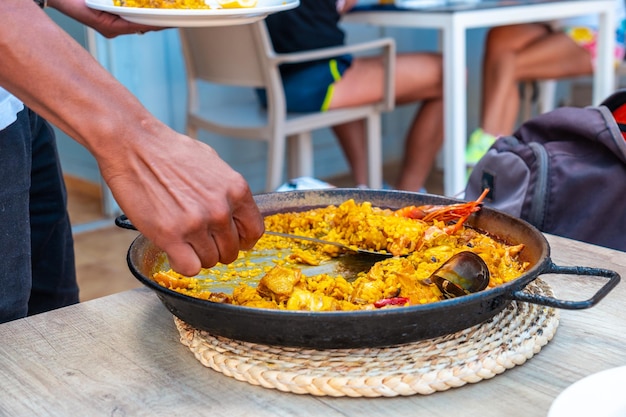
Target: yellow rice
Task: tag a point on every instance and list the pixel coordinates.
(163, 4)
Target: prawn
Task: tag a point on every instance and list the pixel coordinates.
(444, 213)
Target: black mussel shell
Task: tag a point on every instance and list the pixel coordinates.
(462, 274)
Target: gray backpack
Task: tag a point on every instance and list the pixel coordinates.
(564, 172)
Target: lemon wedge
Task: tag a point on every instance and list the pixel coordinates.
(234, 4)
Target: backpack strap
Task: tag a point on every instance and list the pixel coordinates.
(616, 103)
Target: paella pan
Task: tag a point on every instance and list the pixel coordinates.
(370, 328)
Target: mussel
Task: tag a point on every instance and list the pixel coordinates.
(464, 273)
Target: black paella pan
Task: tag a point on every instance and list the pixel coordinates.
(354, 329)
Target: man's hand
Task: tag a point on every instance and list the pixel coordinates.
(183, 197)
(108, 25)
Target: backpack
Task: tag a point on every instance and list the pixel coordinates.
(563, 172)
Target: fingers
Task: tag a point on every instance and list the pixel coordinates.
(216, 236)
(248, 222)
(219, 242)
(185, 199)
(202, 249)
(183, 259)
(226, 245)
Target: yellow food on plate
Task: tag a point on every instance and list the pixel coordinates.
(235, 4)
(163, 4)
(420, 238)
(186, 4)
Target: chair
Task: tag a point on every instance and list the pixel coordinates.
(243, 56)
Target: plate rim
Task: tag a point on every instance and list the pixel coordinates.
(104, 5)
(557, 408)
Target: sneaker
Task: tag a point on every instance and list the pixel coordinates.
(477, 146)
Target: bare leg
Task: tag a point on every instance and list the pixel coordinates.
(500, 91)
(351, 138)
(518, 53)
(418, 78)
(423, 142)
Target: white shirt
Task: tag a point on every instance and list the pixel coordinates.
(10, 106)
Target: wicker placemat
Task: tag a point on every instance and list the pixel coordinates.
(468, 356)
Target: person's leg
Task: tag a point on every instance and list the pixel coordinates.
(15, 271)
(500, 98)
(418, 78)
(349, 91)
(519, 53)
(423, 142)
(500, 95)
(425, 136)
(311, 88)
(351, 137)
(53, 270)
(554, 56)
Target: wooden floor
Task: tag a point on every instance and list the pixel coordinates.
(101, 267)
(101, 247)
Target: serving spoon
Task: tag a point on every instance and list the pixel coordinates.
(328, 242)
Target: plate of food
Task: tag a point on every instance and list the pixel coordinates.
(192, 13)
(600, 394)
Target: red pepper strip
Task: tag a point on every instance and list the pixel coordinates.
(394, 301)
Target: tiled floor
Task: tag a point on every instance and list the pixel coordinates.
(101, 253)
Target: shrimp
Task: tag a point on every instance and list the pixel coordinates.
(444, 213)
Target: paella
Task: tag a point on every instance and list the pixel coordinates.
(418, 241)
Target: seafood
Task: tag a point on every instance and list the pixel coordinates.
(462, 274)
(446, 213)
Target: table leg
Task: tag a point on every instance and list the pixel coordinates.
(604, 74)
(455, 106)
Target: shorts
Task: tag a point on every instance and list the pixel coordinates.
(586, 37)
(309, 87)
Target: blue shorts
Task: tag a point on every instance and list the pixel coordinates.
(309, 88)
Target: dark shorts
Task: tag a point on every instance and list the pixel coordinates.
(309, 88)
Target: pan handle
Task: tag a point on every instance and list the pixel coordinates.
(613, 277)
(123, 222)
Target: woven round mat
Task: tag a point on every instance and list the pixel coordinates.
(468, 356)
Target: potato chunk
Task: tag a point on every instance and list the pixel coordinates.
(278, 283)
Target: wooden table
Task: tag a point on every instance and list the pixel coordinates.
(121, 356)
(453, 19)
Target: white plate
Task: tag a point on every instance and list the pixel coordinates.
(194, 17)
(598, 395)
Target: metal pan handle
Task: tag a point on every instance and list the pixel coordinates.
(613, 277)
(123, 222)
